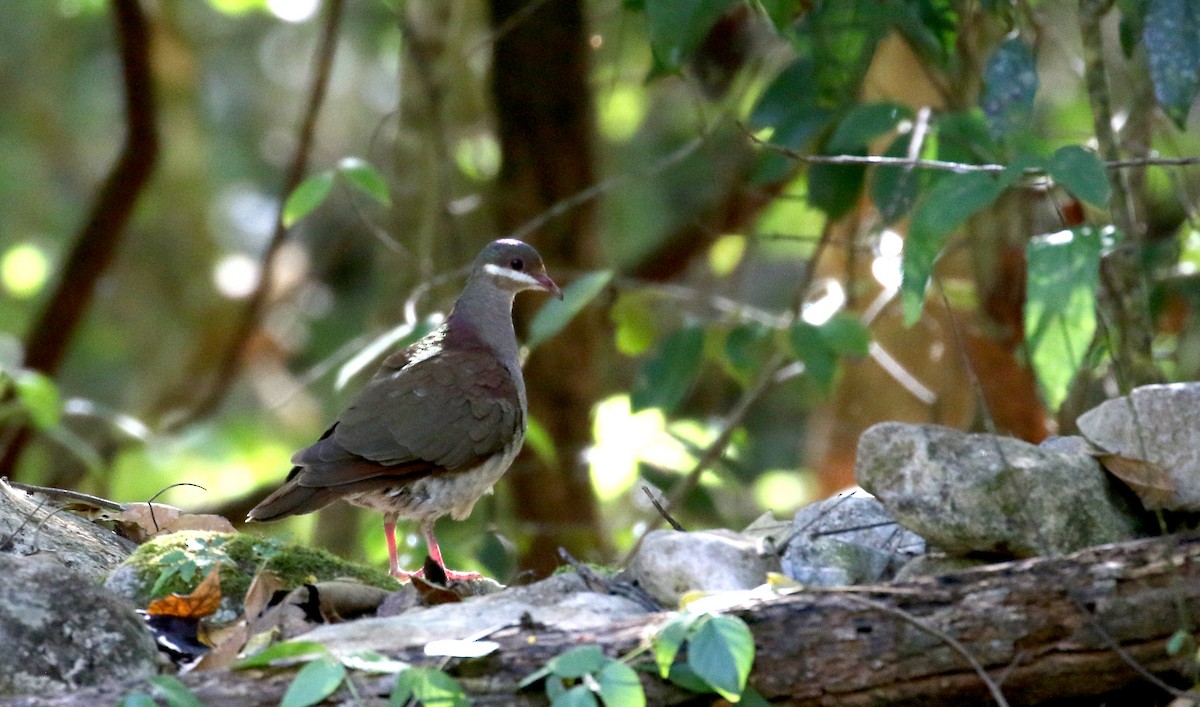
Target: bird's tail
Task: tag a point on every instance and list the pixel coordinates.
(291, 499)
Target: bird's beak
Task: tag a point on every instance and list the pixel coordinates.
(548, 285)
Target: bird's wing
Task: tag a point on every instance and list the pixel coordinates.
(451, 412)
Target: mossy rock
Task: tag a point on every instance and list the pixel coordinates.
(177, 562)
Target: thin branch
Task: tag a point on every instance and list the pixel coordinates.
(958, 167)
(230, 363)
(47, 341)
(662, 511)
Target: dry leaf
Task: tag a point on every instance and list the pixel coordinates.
(345, 599)
(203, 602)
(1151, 482)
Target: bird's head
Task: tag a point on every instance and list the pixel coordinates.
(514, 266)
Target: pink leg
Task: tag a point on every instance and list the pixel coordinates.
(389, 534)
(435, 552)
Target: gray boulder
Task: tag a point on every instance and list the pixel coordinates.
(979, 493)
(61, 632)
(670, 563)
(849, 539)
(1156, 424)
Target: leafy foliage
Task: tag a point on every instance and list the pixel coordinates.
(720, 653)
(585, 676)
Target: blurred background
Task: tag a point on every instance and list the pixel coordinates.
(740, 319)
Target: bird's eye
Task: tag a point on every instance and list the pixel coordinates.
(516, 264)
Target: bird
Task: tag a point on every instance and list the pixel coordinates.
(440, 421)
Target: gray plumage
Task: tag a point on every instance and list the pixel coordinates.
(441, 420)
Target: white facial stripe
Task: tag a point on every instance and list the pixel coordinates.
(512, 276)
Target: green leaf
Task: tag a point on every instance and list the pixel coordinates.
(308, 195)
(1082, 173)
(138, 699)
(315, 681)
(1177, 641)
(721, 652)
(894, 189)
(287, 651)
(678, 27)
(1171, 35)
(174, 691)
(835, 188)
(578, 696)
(809, 345)
(666, 378)
(366, 178)
(788, 106)
(947, 206)
(39, 397)
(1060, 302)
(846, 335)
(556, 314)
(684, 676)
(1010, 82)
(620, 686)
(669, 638)
(862, 124)
(577, 662)
(745, 346)
(432, 688)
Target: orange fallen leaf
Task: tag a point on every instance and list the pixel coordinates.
(204, 601)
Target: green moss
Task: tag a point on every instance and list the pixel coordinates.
(186, 557)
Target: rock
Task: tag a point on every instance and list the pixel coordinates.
(936, 563)
(671, 563)
(61, 632)
(848, 539)
(560, 602)
(240, 557)
(1163, 432)
(979, 493)
(32, 526)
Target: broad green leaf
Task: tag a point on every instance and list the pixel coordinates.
(176, 693)
(745, 345)
(138, 699)
(677, 28)
(669, 639)
(619, 686)
(684, 676)
(363, 175)
(835, 188)
(1177, 641)
(1010, 82)
(894, 189)
(539, 441)
(39, 397)
(577, 662)
(862, 124)
(578, 696)
(947, 206)
(665, 379)
(809, 345)
(315, 681)
(1060, 301)
(846, 336)
(1171, 35)
(287, 651)
(306, 197)
(721, 652)
(430, 687)
(556, 314)
(788, 106)
(1082, 173)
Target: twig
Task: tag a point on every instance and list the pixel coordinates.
(1115, 645)
(47, 341)
(231, 361)
(603, 585)
(662, 511)
(1112, 164)
(949, 640)
(51, 492)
